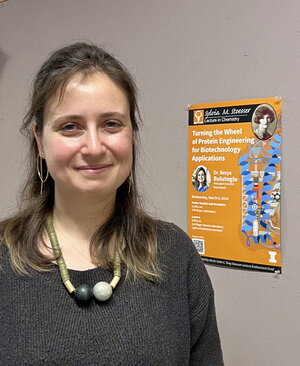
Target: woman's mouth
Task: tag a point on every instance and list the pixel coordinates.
(94, 169)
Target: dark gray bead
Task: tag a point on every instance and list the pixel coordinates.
(83, 294)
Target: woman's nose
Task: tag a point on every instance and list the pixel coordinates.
(93, 144)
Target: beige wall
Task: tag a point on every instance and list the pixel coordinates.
(181, 52)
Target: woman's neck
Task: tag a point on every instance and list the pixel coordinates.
(75, 220)
(82, 216)
(262, 129)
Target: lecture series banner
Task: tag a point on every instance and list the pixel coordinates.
(234, 175)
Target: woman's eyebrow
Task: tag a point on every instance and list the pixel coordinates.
(109, 114)
(113, 114)
(74, 117)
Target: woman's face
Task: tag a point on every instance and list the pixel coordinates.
(201, 177)
(264, 122)
(87, 137)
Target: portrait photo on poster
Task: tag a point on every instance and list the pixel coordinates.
(264, 122)
(201, 178)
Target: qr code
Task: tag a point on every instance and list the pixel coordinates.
(199, 244)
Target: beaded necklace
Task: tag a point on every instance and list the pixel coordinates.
(84, 293)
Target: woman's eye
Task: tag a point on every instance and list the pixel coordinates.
(69, 127)
(113, 125)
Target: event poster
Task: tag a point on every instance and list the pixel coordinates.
(234, 176)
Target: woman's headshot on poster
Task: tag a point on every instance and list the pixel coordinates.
(201, 179)
(264, 122)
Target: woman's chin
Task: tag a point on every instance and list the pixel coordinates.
(88, 190)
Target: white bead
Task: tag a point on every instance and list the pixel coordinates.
(102, 291)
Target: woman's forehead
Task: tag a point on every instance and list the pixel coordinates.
(80, 84)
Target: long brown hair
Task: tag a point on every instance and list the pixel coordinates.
(22, 231)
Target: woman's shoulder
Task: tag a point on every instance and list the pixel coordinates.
(179, 254)
(169, 230)
(171, 237)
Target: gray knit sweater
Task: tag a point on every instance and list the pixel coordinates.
(163, 324)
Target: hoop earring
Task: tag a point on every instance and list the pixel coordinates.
(130, 183)
(39, 168)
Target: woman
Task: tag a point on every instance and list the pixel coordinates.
(80, 209)
(200, 179)
(264, 116)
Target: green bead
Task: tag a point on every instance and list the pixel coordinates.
(83, 294)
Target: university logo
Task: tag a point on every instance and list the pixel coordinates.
(198, 116)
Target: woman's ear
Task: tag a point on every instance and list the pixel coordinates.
(38, 138)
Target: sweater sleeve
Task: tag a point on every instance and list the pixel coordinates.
(205, 341)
